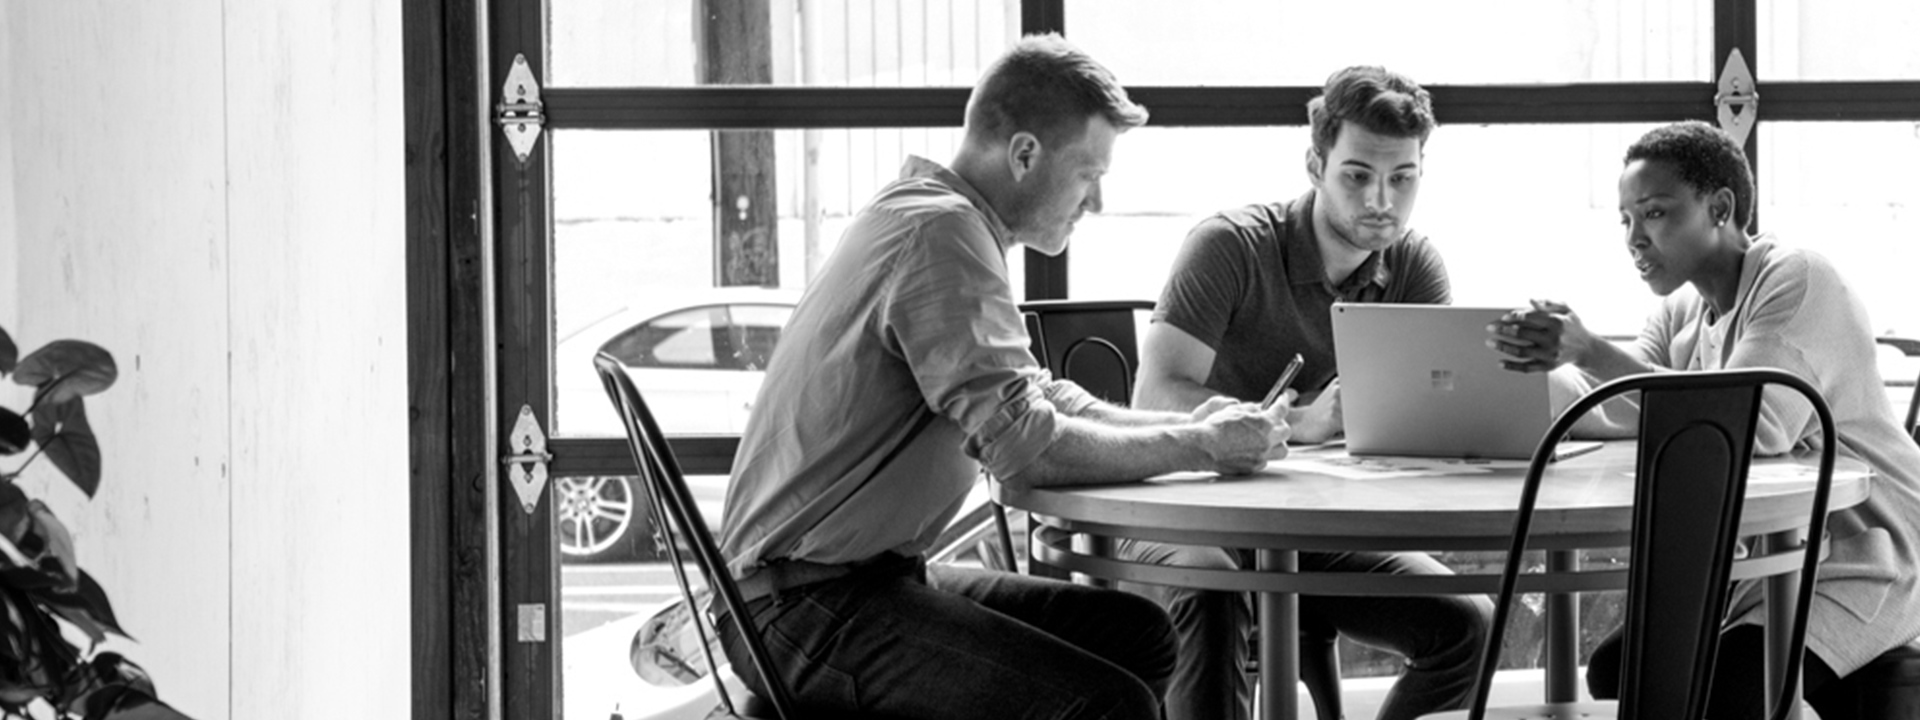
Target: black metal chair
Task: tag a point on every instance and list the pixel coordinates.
(1094, 344)
(673, 510)
(1910, 348)
(1695, 444)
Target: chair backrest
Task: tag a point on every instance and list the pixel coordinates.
(1091, 342)
(674, 512)
(1695, 444)
(1910, 348)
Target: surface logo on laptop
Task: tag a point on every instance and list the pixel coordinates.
(1442, 380)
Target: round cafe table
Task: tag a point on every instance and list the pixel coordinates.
(1322, 500)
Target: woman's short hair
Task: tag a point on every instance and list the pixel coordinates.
(1048, 87)
(1706, 159)
(1380, 100)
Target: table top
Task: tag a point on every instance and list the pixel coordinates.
(1323, 499)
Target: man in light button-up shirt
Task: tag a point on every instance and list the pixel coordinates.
(902, 374)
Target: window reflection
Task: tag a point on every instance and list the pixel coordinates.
(837, 43)
(1847, 191)
(1826, 40)
(1300, 42)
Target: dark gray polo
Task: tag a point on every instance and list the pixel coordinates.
(1249, 283)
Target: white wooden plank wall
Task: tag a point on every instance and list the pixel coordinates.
(214, 192)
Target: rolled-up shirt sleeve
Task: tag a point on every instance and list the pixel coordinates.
(951, 316)
(1068, 397)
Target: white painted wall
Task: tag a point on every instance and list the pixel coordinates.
(213, 191)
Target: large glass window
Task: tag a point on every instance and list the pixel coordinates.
(648, 265)
(1847, 190)
(684, 250)
(1838, 40)
(842, 43)
(1298, 42)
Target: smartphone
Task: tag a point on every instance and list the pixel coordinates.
(1286, 377)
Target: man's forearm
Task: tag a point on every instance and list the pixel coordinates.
(1170, 394)
(1089, 451)
(1118, 416)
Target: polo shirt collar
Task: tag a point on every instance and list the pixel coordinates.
(1305, 264)
(917, 167)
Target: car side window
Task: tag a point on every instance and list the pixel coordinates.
(684, 339)
(753, 330)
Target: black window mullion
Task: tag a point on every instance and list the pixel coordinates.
(1046, 276)
(1865, 101)
(730, 108)
(752, 107)
(1736, 25)
(1043, 16)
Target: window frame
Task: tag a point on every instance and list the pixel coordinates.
(785, 107)
(468, 197)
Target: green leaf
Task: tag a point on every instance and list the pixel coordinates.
(65, 437)
(127, 694)
(14, 432)
(118, 702)
(87, 604)
(9, 352)
(13, 512)
(67, 369)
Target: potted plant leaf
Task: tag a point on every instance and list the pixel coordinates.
(50, 604)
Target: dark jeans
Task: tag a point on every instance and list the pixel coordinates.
(1739, 676)
(1440, 636)
(909, 641)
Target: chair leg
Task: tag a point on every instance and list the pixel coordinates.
(1320, 670)
(1006, 537)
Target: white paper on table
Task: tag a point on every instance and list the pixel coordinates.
(1375, 468)
(1774, 473)
(1781, 473)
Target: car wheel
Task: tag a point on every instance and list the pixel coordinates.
(596, 516)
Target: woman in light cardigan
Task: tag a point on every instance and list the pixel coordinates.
(1735, 300)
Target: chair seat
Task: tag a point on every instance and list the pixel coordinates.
(1552, 711)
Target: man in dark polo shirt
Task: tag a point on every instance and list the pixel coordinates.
(1251, 287)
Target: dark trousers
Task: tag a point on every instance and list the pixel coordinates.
(1739, 676)
(1440, 636)
(909, 641)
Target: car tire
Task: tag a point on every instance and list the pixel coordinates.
(600, 518)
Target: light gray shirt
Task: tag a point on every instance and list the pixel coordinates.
(912, 316)
(1793, 311)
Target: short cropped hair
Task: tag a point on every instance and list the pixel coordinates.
(1048, 87)
(1706, 159)
(1382, 101)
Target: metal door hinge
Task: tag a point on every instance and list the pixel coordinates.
(1737, 99)
(532, 625)
(527, 466)
(520, 116)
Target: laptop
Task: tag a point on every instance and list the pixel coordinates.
(1419, 380)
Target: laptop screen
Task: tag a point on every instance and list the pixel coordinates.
(1420, 380)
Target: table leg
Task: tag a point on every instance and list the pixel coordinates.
(1781, 599)
(1096, 546)
(1279, 641)
(1563, 633)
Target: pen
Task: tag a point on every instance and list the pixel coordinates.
(1286, 377)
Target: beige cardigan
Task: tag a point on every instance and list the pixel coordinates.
(1793, 311)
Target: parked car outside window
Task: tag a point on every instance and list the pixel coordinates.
(698, 360)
